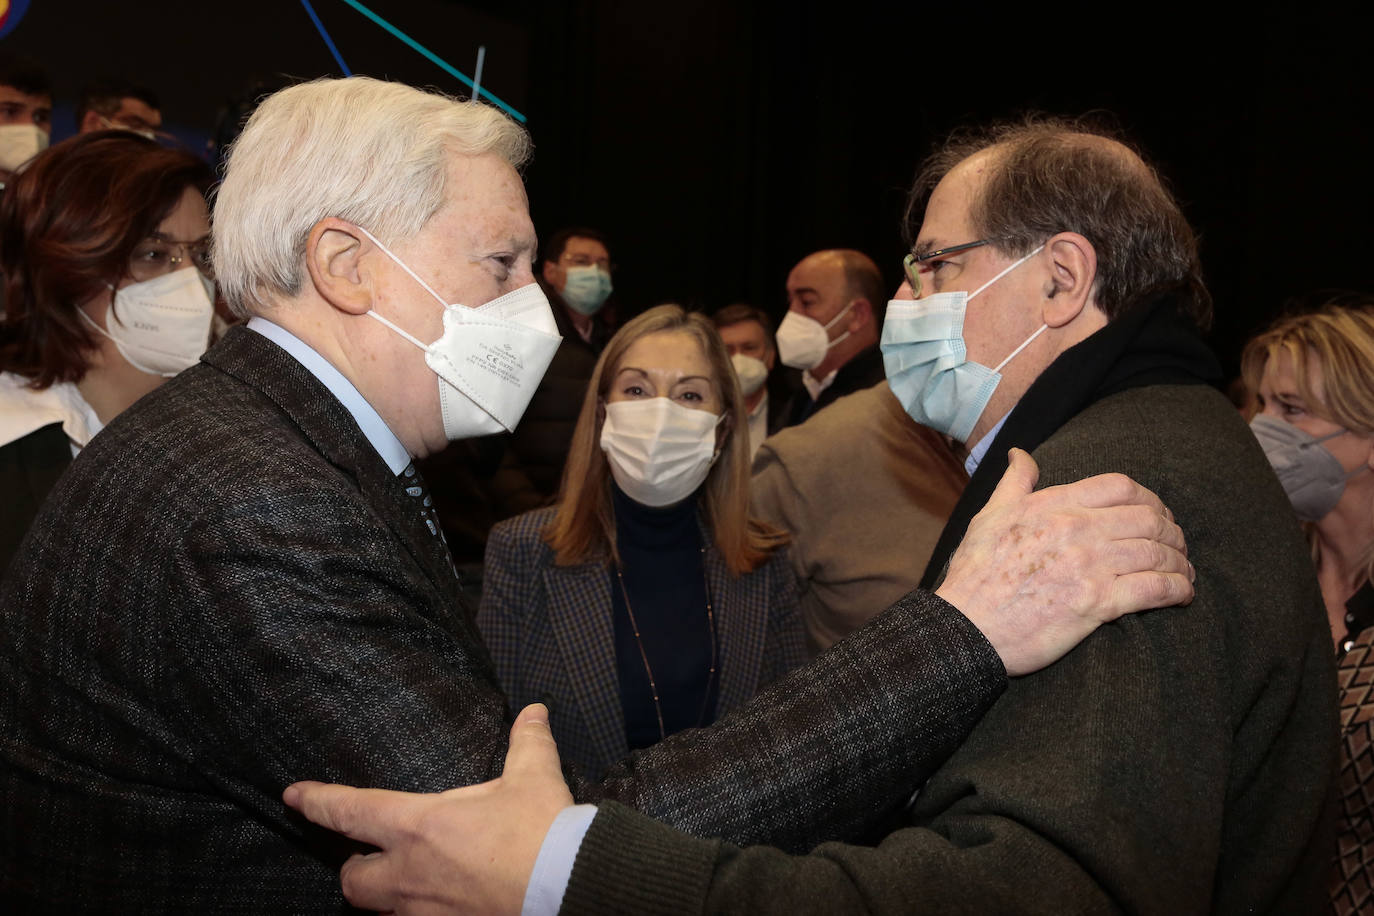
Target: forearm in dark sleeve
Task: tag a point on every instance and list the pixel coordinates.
(824, 752)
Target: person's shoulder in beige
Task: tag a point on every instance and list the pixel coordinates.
(864, 492)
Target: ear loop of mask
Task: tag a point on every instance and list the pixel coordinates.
(1317, 443)
(414, 276)
(831, 323)
(1006, 270)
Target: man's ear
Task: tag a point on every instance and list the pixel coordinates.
(334, 253)
(860, 314)
(1073, 272)
(550, 273)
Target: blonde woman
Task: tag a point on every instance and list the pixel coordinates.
(647, 600)
(1314, 376)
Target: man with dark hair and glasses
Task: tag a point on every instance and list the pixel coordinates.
(117, 104)
(1174, 763)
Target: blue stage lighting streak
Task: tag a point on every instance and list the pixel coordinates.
(329, 42)
(434, 58)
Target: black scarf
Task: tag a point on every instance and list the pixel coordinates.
(1150, 344)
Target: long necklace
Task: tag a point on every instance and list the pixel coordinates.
(644, 656)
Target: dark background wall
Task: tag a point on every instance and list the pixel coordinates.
(719, 142)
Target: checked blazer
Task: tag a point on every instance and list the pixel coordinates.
(551, 633)
(229, 591)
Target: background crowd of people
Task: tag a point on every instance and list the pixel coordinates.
(696, 502)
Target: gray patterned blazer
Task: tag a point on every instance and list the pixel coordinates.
(229, 591)
(550, 631)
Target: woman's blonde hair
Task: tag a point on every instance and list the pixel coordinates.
(1337, 339)
(583, 528)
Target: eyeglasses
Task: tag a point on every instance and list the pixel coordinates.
(911, 264)
(155, 257)
(133, 124)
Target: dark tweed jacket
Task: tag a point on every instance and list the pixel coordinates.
(1176, 762)
(864, 370)
(29, 467)
(229, 591)
(550, 631)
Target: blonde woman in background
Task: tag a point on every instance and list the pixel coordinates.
(1314, 377)
(647, 600)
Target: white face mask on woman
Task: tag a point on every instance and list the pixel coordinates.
(659, 451)
(161, 326)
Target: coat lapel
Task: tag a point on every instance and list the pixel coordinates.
(332, 431)
(740, 605)
(580, 613)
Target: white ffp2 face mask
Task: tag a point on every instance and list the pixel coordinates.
(803, 341)
(161, 326)
(19, 143)
(659, 451)
(489, 359)
(750, 371)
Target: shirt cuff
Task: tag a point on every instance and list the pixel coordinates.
(552, 869)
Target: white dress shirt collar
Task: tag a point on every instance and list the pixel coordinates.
(975, 454)
(369, 421)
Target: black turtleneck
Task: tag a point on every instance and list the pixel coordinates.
(665, 577)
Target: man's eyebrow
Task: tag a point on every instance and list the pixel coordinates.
(926, 246)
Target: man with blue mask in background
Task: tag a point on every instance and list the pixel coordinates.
(576, 276)
(1174, 763)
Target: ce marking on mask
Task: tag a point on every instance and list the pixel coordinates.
(502, 362)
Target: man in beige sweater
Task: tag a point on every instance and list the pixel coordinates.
(864, 491)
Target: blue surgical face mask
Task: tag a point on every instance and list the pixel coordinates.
(586, 289)
(927, 363)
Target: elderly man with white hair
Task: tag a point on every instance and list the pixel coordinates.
(240, 583)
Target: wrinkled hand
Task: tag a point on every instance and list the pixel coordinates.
(1038, 572)
(468, 850)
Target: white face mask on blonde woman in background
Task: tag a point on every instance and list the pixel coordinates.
(659, 451)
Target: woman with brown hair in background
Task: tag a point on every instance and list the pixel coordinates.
(104, 249)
